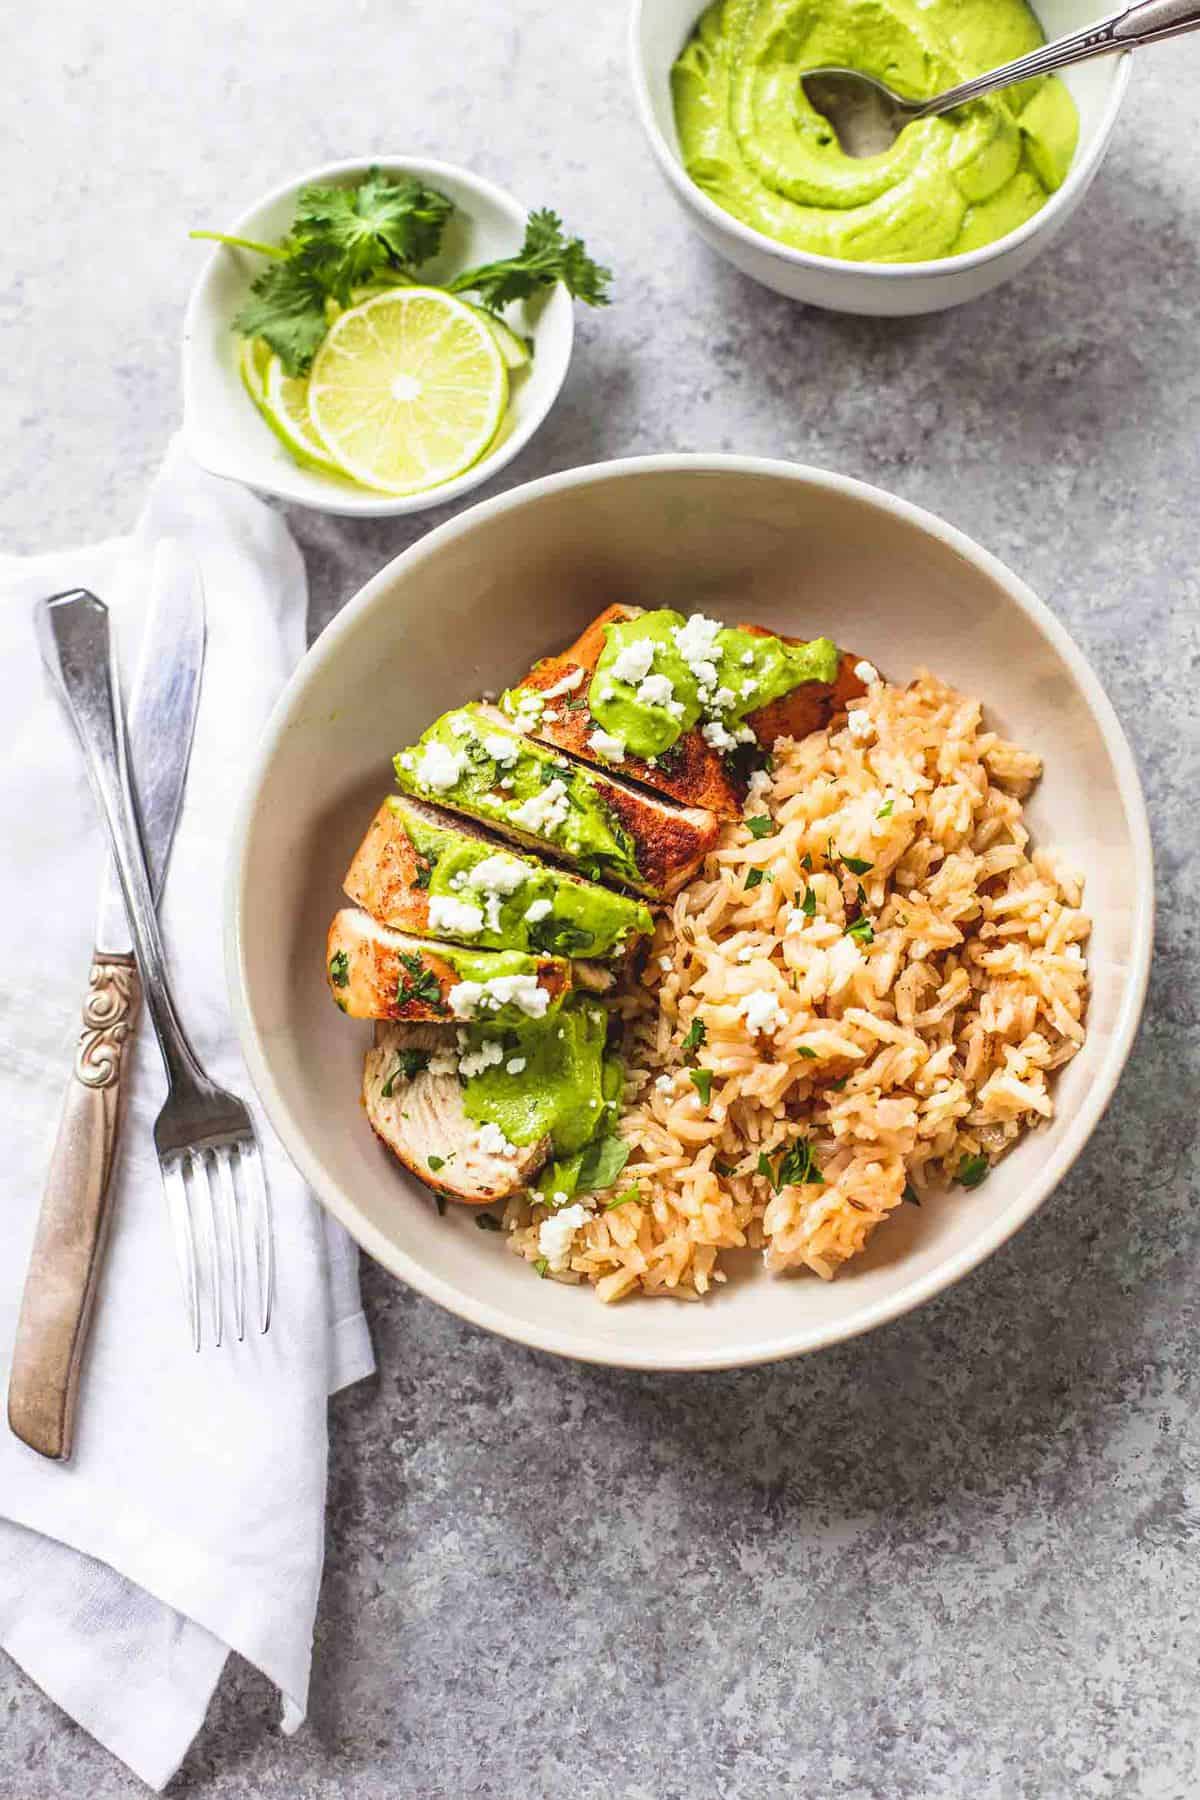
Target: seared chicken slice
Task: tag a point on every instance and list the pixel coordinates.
(416, 1109)
(375, 973)
(692, 772)
(474, 761)
(497, 899)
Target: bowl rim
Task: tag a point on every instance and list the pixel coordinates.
(1078, 177)
(345, 500)
(575, 1342)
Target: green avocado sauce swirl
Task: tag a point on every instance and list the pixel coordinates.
(753, 142)
(751, 671)
(567, 1087)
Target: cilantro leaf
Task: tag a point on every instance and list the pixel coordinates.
(972, 1170)
(339, 969)
(353, 233)
(286, 309)
(808, 906)
(857, 866)
(755, 878)
(419, 985)
(702, 1080)
(633, 1193)
(764, 1168)
(408, 1064)
(546, 256)
(803, 1050)
(541, 1264)
(760, 827)
(436, 1162)
(862, 931)
(697, 1036)
(885, 811)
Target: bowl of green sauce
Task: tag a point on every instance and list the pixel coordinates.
(956, 206)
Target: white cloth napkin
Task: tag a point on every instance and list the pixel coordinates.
(190, 1520)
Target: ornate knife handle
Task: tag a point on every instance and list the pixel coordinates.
(68, 1244)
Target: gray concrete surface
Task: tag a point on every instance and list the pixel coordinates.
(960, 1558)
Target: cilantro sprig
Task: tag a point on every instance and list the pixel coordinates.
(385, 228)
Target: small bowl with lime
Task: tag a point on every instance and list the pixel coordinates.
(379, 335)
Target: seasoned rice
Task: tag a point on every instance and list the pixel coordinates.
(903, 1051)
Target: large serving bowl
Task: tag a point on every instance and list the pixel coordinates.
(658, 30)
(469, 608)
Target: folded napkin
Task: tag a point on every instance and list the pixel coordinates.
(190, 1520)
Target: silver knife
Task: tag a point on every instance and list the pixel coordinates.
(68, 1245)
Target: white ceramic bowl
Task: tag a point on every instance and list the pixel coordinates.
(468, 608)
(223, 428)
(659, 29)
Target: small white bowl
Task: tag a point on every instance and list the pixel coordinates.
(224, 430)
(470, 607)
(658, 31)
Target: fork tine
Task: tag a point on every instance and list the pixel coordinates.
(176, 1196)
(264, 1241)
(206, 1199)
(233, 1234)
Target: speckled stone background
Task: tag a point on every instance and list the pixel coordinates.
(959, 1558)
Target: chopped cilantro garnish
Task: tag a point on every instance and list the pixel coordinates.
(764, 1167)
(424, 873)
(806, 862)
(408, 1064)
(418, 985)
(808, 906)
(436, 1163)
(835, 1087)
(885, 812)
(696, 1037)
(756, 877)
(862, 931)
(857, 866)
(633, 1193)
(339, 969)
(796, 1166)
(541, 1264)
(702, 1080)
(761, 826)
(972, 1170)
(803, 1050)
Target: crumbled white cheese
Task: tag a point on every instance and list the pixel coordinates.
(499, 874)
(867, 673)
(665, 1083)
(538, 909)
(716, 736)
(696, 638)
(748, 688)
(467, 998)
(487, 1056)
(526, 711)
(608, 691)
(758, 787)
(502, 750)
(545, 812)
(633, 662)
(747, 659)
(664, 963)
(608, 745)
(656, 690)
(723, 699)
(747, 953)
(458, 917)
(761, 1011)
(556, 1234)
(492, 1141)
(743, 734)
(515, 1065)
(440, 767)
(407, 759)
(461, 727)
(507, 783)
(567, 685)
(551, 716)
(676, 708)
(443, 1062)
(860, 727)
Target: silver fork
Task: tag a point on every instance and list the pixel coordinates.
(207, 1151)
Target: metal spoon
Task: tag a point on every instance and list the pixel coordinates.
(868, 116)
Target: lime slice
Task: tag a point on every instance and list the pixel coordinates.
(253, 358)
(514, 349)
(408, 390)
(285, 408)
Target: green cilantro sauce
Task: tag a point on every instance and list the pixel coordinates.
(572, 818)
(753, 142)
(751, 672)
(583, 919)
(565, 1087)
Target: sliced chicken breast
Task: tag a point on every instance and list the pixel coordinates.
(416, 1109)
(375, 973)
(499, 900)
(473, 761)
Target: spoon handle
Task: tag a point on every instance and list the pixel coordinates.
(1146, 23)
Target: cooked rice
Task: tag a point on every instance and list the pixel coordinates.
(897, 1058)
